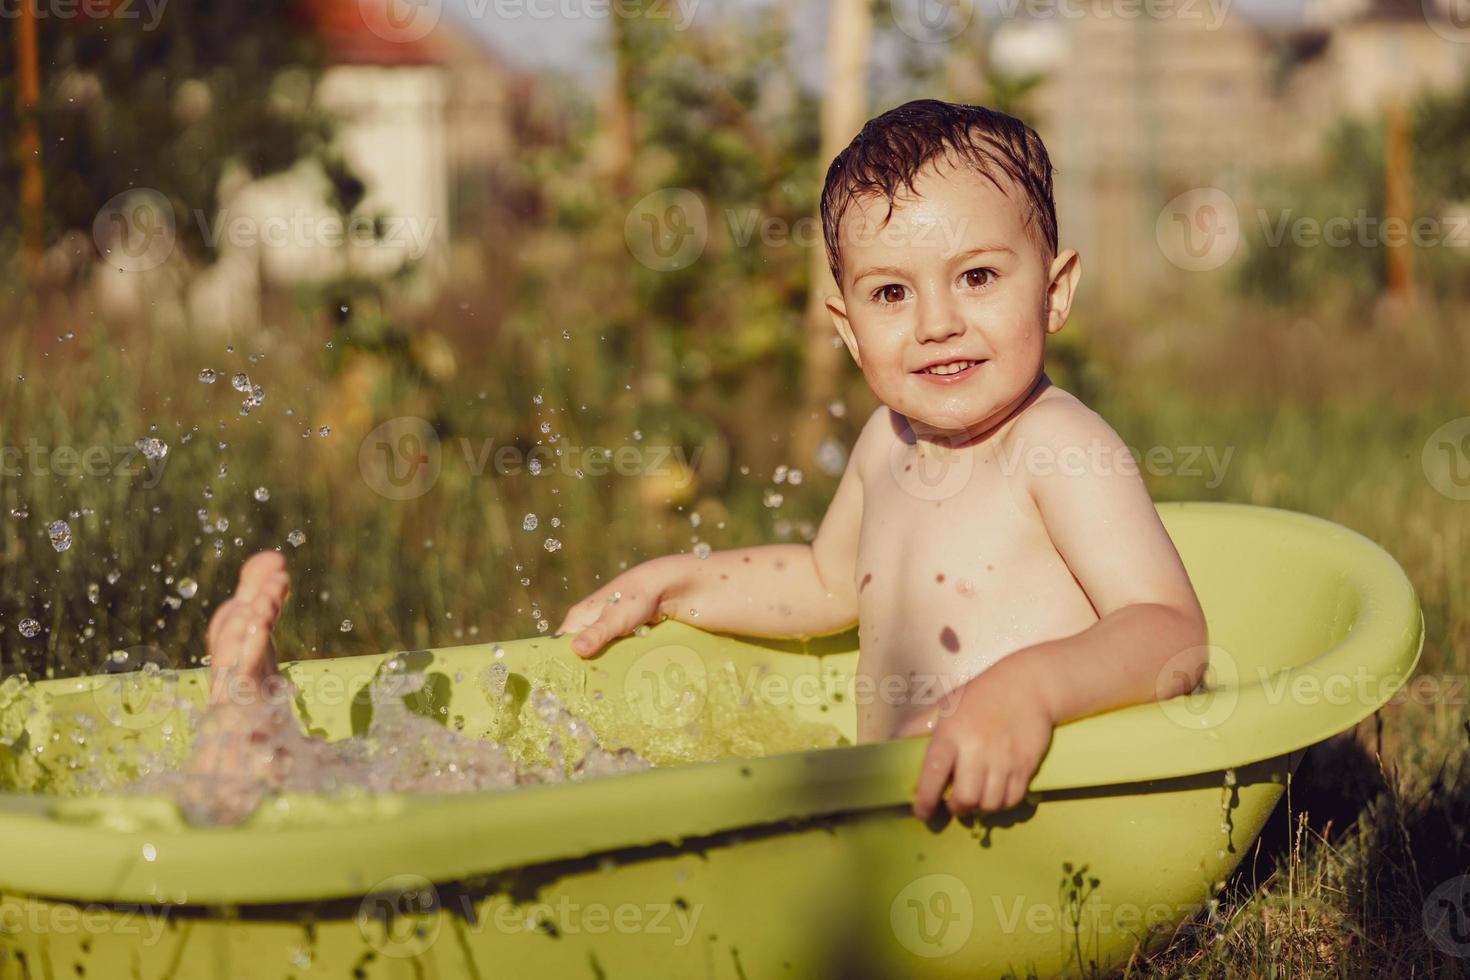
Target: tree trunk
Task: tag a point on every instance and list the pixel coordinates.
(844, 110)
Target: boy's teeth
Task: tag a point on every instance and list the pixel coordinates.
(954, 367)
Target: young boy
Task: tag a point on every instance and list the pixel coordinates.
(991, 533)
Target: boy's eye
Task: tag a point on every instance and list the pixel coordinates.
(891, 293)
(978, 278)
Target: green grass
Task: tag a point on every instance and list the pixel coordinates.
(1327, 417)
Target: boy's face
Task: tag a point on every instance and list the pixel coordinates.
(946, 306)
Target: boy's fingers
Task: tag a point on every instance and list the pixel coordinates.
(993, 797)
(969, 786)
(1015, 791)
(933, 777)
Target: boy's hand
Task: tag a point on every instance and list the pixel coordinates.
(989, 738)
(617, 609)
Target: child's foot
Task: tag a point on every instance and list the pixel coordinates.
(241, 655)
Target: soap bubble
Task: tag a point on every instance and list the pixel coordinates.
(296, 539)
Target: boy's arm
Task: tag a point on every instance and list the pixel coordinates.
(1148, 643)
(780, 590)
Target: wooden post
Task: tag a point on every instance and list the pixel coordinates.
(1398, 205)
(844, 110)
(27, 103)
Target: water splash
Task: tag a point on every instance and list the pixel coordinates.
(60, 534)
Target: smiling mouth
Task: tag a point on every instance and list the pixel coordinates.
(948, 368)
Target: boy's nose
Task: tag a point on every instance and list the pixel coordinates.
(938, 321)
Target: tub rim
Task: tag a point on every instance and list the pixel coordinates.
(88, 850)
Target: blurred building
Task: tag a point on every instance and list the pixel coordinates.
(420, 121)
(1138, 110)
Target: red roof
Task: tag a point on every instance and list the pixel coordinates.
(380, 32)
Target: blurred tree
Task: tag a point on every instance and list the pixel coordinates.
(159, 96)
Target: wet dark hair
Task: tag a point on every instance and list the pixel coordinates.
(892, 149)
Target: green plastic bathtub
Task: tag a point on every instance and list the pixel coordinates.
(803, 864)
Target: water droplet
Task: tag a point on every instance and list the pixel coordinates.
(207, 376)
(19, 512)
(150, 853)
(545, 426)
(296, 539)
(93, 593)
(29, 628)
(241, 382)
(534, 466)
(694, 520)
(702, 550)
(187, 587)
(60, 533)
(552, 544)
(324, 431)
(773, 499)
(536, 399)
(794, 477)
(529, 524)
(152, 448)
(346, 626)
(262, 494)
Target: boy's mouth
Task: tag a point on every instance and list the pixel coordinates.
(949, 371)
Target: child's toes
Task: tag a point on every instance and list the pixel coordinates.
(257, 571)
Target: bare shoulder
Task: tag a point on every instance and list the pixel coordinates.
(879, 432)
(1059, 420)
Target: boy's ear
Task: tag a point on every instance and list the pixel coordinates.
(1066, 269)
(837, 306)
